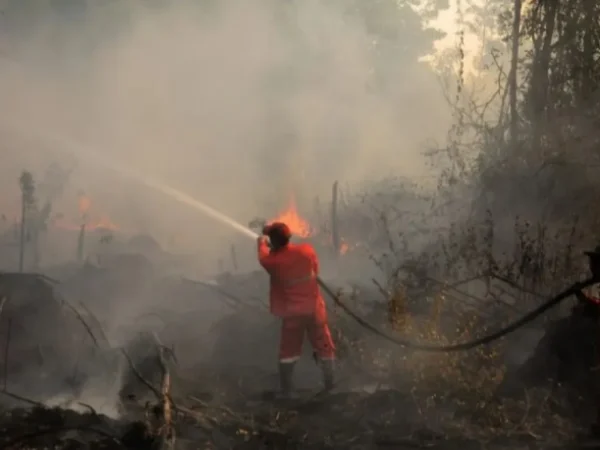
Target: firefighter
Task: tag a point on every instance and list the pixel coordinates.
(296, 298)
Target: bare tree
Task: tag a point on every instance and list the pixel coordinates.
(516, 29)
(27, 186)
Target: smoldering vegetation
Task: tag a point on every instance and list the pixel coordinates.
(127, 320)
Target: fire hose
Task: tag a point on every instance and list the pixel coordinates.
(527, 318)
(532, 315)
(524, 320)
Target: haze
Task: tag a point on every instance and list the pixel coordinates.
(240, 104)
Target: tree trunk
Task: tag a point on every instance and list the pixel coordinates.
(35, 240)
(516, 29)
(234, 262)
(22, 237)
(539, 79)
(335, 236)
(81, 243)
(587, 57)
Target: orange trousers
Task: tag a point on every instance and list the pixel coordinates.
(292, 337)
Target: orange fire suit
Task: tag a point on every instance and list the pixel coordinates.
(296, 298)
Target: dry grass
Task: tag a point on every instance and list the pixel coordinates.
(539, 261)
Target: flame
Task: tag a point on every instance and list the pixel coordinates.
(90, 221)
(85, 203)
(103, 223)
(344, 248)
(298, 226)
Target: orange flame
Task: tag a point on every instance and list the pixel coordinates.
(85, 203)
(104, 223)
(344, 248)
(91, 222)
(298, 226)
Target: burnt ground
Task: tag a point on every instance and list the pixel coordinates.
(174, 394)
(361, 420)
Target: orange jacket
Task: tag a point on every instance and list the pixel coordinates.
(293, 271)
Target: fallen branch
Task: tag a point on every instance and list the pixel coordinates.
(22, 275)
(234, 301)
(138, 375)
(83, 322)
(515, 285)
(22, 399)
(90, 408)
(96, 321)
(223, 408)
(165, 432)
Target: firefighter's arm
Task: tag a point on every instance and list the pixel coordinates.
(264, 253)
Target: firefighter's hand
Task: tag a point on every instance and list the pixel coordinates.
(261, 239)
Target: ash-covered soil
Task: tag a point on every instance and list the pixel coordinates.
(198, 371)
(356, 420)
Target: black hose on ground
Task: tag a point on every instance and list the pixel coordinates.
(464, 345)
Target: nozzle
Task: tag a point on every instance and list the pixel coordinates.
(257, 224)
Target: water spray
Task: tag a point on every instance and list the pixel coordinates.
(175, 194)
(190, 201)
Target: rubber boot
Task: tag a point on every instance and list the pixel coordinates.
(328, 368)
(286, 373)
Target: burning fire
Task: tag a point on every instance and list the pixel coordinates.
(102, 223)
(91, 223)
(85, 204)
(298, 226)
(344, 248)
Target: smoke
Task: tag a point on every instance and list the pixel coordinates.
(239, 104)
